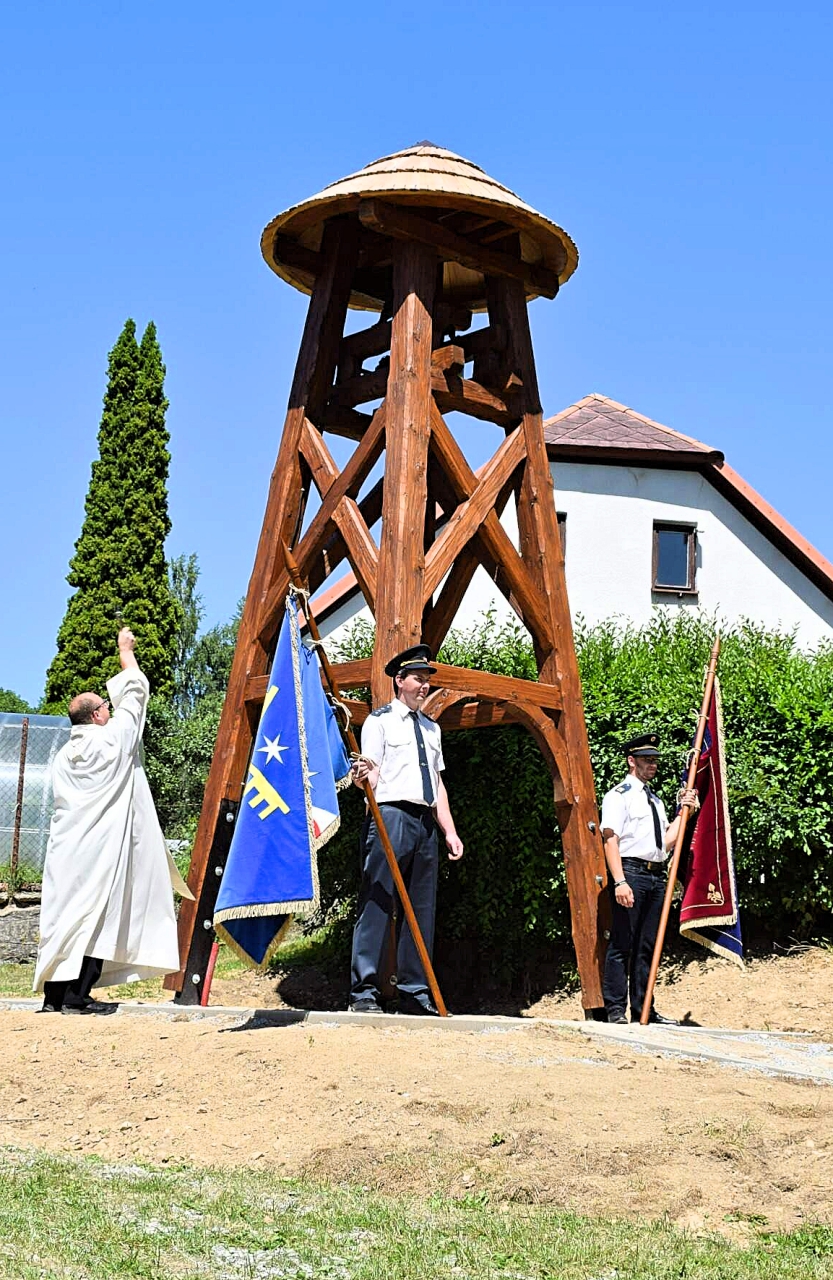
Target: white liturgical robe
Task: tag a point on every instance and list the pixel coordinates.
(108, 874)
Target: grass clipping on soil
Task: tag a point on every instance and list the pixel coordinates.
(63, 1217)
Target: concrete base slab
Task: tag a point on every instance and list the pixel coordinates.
(794, 1055)
(466, 1022)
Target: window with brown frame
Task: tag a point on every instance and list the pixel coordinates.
(674, 560)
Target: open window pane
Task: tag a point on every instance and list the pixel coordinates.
(674, 558)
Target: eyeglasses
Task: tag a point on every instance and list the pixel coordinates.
(105, 702)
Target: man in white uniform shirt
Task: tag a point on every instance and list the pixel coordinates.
(402, 759)
(637, 836)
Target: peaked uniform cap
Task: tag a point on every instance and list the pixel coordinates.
(647, 744)
(417, 658)
(425, 177)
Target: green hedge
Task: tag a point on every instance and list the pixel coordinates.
(509, 894)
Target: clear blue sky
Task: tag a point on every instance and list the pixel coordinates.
(686, 148)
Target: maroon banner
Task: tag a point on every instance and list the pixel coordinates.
(709, 911)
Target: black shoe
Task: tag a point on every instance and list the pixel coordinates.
(662, 1021)
(90, 1006)
(48, 1008)
(423, 1008)
(366, 1005)
(616, 1017)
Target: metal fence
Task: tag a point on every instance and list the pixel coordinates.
(27, 748)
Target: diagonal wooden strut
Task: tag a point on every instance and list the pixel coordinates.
(471, 512)
(515, 574)
(336, 488)
(313, 375)
(541, 550)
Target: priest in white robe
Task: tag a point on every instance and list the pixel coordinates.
(107, 908)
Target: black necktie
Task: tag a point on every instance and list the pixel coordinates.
(427, 789)
(655, 816)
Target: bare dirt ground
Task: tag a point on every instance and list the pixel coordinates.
(537, 1114)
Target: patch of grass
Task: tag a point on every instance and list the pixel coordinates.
(16, 979)
(228, 964)
(321, 950)
(60, 1217)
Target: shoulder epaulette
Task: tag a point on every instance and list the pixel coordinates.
(625, 786)
(380, 711)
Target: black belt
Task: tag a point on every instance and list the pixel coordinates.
(408, 806)
(642, 864)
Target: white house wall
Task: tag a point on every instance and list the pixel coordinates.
(610, 517)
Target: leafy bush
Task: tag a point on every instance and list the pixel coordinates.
(178, 755)
(508, 897)
(509, 891)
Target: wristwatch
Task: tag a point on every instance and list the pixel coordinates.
(617, 883)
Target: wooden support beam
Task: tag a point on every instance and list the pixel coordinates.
(339, 486)
(438, 616)
(451, 392)
(492, 237)
(474, 715)
(455, 710)
(470, 514)
(297, 255)
(360, 389)
(361, 549)
(540, 544)
(464, 223)
(393, 220)
(483, 341)
(450, 495)
(484, 684)
(314, 369)
(450, 357)
(349, 423)
(451, 315)
(461, 395)
(334, 549)
(408, 430)
(363, 344)
(514, 574)
(498, 688)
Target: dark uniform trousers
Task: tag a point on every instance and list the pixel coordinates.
(632, 937)
(413, 834)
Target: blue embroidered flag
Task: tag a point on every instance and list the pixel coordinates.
(289, 807)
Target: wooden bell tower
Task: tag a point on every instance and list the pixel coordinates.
(425, 239)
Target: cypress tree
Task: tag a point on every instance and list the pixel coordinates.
(118, 569)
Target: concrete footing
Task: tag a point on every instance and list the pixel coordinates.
(794, 1055)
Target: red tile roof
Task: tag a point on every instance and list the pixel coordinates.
(600, 430)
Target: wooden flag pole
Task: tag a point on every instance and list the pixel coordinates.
(678, 843)
(353, 746)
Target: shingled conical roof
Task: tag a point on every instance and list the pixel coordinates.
(435, 183)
